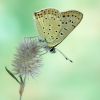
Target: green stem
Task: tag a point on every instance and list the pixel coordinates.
(22, 85)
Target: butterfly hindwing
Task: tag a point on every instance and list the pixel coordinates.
(70, 20)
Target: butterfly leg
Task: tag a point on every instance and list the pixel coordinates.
(44, 51)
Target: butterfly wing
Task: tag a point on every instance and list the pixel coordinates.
(48, 24)
(54, 26)
(70, 20)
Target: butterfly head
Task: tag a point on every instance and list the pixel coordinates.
(52, 50)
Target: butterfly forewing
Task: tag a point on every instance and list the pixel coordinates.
(49, 24)
(40, 23)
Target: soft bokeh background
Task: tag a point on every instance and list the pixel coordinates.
(57, 79)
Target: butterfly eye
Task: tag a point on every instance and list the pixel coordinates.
(52, 50)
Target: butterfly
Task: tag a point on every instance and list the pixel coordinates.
(54, 26)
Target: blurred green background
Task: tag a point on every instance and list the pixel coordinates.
(57, 79)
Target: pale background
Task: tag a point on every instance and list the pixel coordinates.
(57, 79)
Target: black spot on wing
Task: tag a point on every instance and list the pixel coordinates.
(58, 25)
(62, 22)
(67, 15)
(71, 21)
(74, 26)
(52, 37)
(56, 38)
(61, 33)
(65, 22)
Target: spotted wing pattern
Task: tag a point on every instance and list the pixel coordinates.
(54, 26)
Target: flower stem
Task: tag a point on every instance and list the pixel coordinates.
(22, 85)
(20, 97)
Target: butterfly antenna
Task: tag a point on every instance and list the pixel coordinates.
(64, 55)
